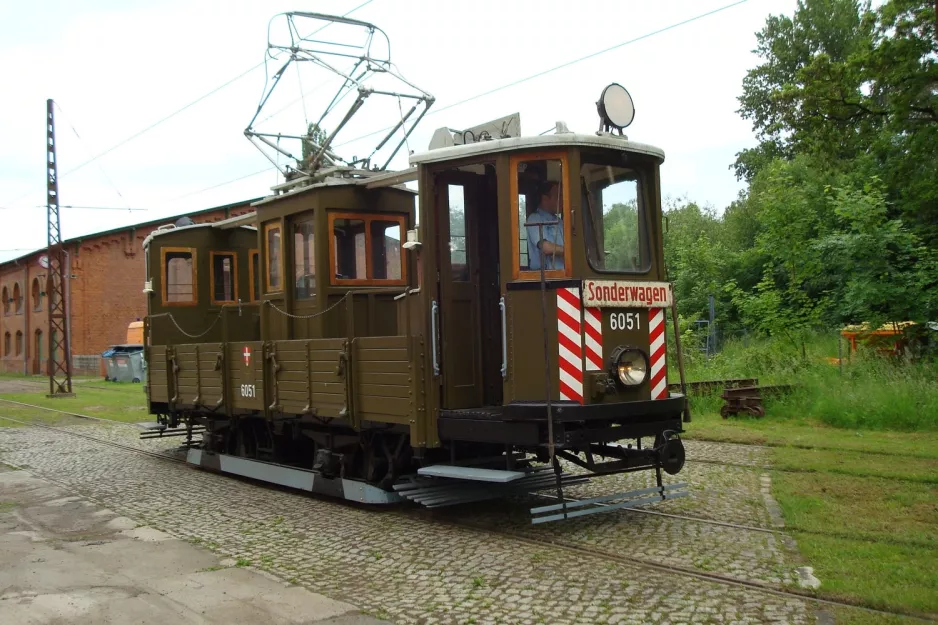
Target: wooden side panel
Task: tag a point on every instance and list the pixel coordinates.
(157, 376)
(382, 375)
(211, 376)
(187, 390)
(246, 374)
(308, 378)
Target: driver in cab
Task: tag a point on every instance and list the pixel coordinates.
(548, 238)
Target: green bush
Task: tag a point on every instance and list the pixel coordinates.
(869, 392)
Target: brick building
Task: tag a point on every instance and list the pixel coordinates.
(105, 291)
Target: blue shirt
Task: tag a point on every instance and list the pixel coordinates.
(552, 233)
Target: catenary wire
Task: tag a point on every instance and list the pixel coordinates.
(508, 85)
(174, 113)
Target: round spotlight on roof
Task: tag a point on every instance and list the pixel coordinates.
(616, 109)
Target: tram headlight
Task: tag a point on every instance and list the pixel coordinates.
(629, 365)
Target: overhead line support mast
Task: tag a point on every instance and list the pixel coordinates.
(60, 360)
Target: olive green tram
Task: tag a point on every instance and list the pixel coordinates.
(358, 338)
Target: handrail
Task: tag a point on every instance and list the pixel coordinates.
(434, 313)
(501, 306)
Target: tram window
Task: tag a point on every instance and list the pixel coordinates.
(224, 278)
(614, 219)
(541, 211)
(179, 276)
(304, 259)
(385, 249)
(366, 249)
(255, 275)
(349, 239)
(458, 251)
(274, 258)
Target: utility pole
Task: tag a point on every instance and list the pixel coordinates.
(60, 357)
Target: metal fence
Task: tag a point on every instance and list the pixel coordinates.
(86, 365)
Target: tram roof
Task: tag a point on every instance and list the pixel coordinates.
(226, 224)
(563, 139)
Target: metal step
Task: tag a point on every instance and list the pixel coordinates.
(438, 492)
(476, 474)
(607, 503)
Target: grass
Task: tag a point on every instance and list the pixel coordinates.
(854, 458)
(869, 393)
(117, 402)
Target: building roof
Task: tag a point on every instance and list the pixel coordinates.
(144, 224)
(561, 139)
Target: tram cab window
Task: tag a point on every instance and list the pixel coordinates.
(385, 249)
(179, 277)
(366, 249)
(274, 258)
(542, 211)
(615, 222)
(459, 261)
(304, 259)
(224, 278)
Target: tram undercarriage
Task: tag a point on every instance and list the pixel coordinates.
(378, 466)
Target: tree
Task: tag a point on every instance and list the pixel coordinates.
(312, 143)
(855, 87)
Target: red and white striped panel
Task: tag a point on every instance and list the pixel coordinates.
(570, 343)
(593, 334)
(657, 350)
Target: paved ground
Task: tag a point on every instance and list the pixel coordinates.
(410, 567)
(64, 559)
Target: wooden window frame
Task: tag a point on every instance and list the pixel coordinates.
(307, 217)
(267, 228)
(5, 294)
(251, 277)
(195, 275)
(367, 218)
(234, 277)
(516, 272)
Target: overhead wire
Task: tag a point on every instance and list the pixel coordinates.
(520, 80)
(176, 112)
(559, 67)
(72, 206)
(85, 146)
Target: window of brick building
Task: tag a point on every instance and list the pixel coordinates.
(19, 342)
(6, 344)
(37, 295)
(17, 299)
(180, 286)
(224, 277)
(6, 301)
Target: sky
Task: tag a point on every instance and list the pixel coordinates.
(116, 67)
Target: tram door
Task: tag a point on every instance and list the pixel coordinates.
(468, 247)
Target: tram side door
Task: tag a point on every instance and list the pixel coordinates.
(460, 327)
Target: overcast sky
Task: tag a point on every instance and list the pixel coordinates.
(117, 66)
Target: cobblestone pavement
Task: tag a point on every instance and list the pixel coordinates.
(410, 568)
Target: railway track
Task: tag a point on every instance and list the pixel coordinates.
(681, 517)
(570, 546)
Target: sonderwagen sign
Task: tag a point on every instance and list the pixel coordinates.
(622, 294)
